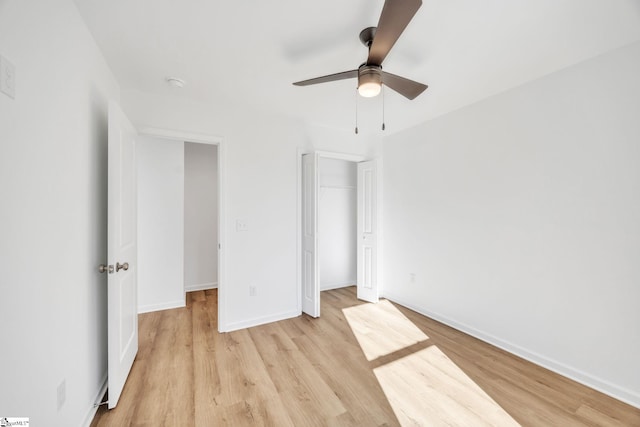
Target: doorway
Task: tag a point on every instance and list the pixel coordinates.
(180, 241)
(339, 227)
(200, 216)
(337, 220)
(162, 187)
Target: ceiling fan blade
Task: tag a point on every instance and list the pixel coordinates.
(330, 78)
(396, 15)
(405, 87)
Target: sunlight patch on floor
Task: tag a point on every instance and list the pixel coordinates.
(424, 388)
(427, 389)
(381, 329)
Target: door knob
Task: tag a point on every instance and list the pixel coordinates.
(124, 266)
(102, 268)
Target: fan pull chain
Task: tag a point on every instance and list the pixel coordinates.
(356, 111)
(383, 127)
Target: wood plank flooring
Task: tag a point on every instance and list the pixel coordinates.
(357, 365)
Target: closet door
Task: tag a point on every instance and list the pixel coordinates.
(367, 286)
(310, 276)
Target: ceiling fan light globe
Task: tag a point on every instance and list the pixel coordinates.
(369, 89)
(369, 81)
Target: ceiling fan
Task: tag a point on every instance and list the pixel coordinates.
(396, 15)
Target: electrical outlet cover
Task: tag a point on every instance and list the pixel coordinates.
(7, 77)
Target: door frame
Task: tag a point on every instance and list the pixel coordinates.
(219, 141)
(357, 158)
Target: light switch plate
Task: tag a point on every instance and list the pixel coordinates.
(242, 225)
(7, 77)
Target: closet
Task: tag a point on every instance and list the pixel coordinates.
(337, 226)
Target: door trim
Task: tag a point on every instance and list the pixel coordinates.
(178, 135)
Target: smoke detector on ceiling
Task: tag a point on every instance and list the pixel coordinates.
(175, 82)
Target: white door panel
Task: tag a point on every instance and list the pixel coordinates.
(122, 292)
(310, 277)
(367, 278)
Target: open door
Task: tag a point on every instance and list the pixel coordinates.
(310, 279)
(122, 292)
(367, 279)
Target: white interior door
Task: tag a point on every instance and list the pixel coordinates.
(310, 278)
(367, 278)
(122, 298)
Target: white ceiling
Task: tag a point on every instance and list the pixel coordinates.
(249, 52)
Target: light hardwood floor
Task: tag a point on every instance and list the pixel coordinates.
(357, 365)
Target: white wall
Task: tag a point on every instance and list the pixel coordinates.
(53, 158)
(200, 216)
(261, 192)
(160, 165)
(366, 144)
(519, 217)
(337, 223)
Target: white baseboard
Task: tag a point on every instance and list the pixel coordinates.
(163, 306)
(96, 399)
(261, 320)
(625, 395)
(330, 286)
(201, 286)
